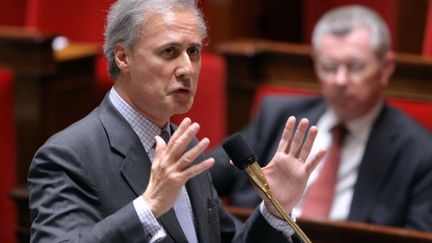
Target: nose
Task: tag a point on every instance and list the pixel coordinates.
(185, 67)
(342, 75)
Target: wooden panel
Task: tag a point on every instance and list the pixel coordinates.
(410, 21)
(294, 20)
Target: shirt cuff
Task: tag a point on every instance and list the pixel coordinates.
(152, 229)
(275, 222)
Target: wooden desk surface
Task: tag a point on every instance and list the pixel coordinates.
(75, 50)
(347, 231)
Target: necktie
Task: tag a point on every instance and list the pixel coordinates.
(182, 207)
(318, 200)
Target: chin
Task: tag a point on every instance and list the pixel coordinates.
(181, 109)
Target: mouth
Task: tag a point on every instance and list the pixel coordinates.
(181, 92)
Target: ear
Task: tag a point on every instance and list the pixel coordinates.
(121, 55)
(389, 65)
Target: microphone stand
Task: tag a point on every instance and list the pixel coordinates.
(257, 178)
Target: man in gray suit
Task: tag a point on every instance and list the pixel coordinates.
(111, 177)
(385, 171)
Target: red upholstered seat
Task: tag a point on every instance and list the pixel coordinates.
(262, 91)
(209, 108)
(79, 20)
(12, 12)
(421, 111)
(7, 157)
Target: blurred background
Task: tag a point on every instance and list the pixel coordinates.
(52, 71)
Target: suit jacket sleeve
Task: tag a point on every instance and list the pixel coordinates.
(63, 199)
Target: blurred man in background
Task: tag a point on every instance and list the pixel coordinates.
(378, 168)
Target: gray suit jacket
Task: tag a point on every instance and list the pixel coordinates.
(394, 185)
(83, 180)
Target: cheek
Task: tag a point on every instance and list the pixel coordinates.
(195, 79)
(369, 85)
(328, 88)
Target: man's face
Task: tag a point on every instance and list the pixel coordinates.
(352, 76)
(159, 77)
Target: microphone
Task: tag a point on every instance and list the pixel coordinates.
(244, 158)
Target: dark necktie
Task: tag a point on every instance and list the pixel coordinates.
(319, 198)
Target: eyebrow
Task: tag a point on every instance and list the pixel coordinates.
(176, 44)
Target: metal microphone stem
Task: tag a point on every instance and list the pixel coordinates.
(256, 176)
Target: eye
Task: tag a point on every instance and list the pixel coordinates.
(194, 53)
(356, 66)
(329, 68)
(169, 52)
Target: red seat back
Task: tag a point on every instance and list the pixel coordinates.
(78, 20)
(7, 157)
(12, 12)
(421, 111)
(262, 91)
(209, 108)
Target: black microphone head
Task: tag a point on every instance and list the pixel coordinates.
(240, 153)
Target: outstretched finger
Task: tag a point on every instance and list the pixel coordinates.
(285, 142)
(312, 164)
(297, 140)
(160, 146)
(177, 146)
(185, 123)
(198, 168)
(308, 143)
(188, 157)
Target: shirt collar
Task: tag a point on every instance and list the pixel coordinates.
(145, 129)
(359, 127)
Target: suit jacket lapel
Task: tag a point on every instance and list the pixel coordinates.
(136, 169)
(374, 167)
(136, 165)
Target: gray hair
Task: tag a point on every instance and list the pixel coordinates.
(126, 17)
(341, 21)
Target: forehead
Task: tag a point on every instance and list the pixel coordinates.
(355, 44)
(175, 24)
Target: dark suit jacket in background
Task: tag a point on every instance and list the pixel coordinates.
(394, 185)
(83, 180)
